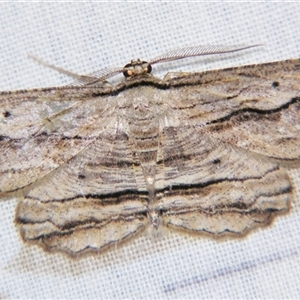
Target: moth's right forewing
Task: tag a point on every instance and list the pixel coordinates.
(253, 107)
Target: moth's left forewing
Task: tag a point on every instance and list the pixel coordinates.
(254, 107)
(42, 129)
(91, 201)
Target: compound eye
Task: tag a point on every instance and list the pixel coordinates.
(128, 70)
(128, 73)
(149, 68)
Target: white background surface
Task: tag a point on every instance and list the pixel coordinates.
(85, 37)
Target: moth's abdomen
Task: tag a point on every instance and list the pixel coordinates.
(145, 140)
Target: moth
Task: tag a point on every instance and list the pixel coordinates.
(94, 164)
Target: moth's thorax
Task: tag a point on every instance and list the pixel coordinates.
(141, 103)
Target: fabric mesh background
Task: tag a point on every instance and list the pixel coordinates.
(85, 37)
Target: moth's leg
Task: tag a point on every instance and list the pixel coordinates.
(174, 75)
(94, 79)
(82, 78)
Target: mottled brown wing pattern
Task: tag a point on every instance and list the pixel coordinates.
(253, 107)
(72, 166)
(227, 189)
(42, 129)
(88, 203)
(202, 152)
(248, 122)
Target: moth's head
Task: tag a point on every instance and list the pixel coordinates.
(137, 67)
